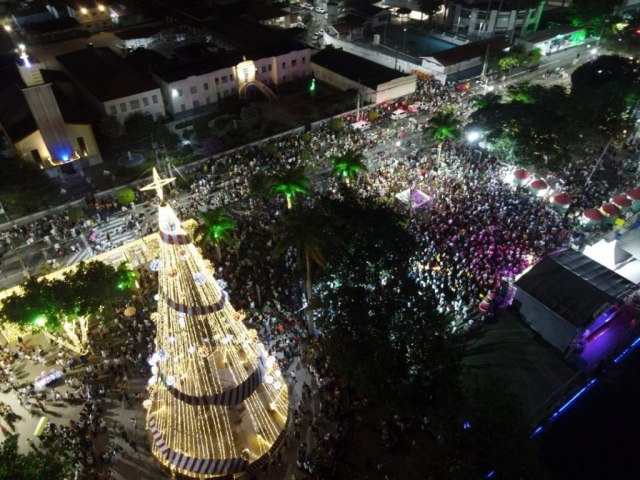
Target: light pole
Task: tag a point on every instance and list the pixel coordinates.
(404, 41)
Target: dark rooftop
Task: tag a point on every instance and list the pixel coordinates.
(355, 68)
(550, 33)
(15, 116)
(573, 285)
(468, 51)
(105, 74)
(143, 31)
(180, 71)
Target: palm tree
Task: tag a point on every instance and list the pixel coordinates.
(304, 232)
(488, 100)
(443, 125)
(215, 229)
(348, 165)
(290, 183)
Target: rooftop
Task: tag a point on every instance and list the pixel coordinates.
(105, 74)
(572, 285)
(143, 31)
(179, 71)
(468, 51)
(355, 68)
(550, 33)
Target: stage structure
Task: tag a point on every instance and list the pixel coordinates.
(218, 405)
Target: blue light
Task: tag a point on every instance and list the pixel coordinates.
(626, 351)
(466, 425)
(573, 399)
(536, 432)
(491, 474)
(65, 157)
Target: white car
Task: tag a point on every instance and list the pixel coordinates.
(361, 126)
(320, 10)
(398, 114)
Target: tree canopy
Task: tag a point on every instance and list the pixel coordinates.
(55, 305)
(382, 333)
(50, 462)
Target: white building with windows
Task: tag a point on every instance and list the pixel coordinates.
(186, 87)
(110, 85)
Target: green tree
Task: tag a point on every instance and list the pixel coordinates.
(443, 125)
(430, 7)
(60, 307)
(304, 232)
(111, 127)
(591, 13)
(49, 462)
(487, 100)
(140, 126)
(289, 183)
(215, 228)
(348, 165)
(125, 196)
(381, 332)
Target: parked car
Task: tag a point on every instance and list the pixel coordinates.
(398, 114)
(361, 126)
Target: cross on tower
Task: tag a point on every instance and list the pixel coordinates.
(157, 184)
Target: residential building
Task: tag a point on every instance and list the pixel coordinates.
(376, 83)
(481, 19)
(125, 13)
(110, 85)
(143, 36)
(92, 16)
(42, 125)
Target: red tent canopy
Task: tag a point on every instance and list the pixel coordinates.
(634, 193)
(593, 214)
(611, 209)
(562, 198)
(539, 184)
(521, 174)
(622, 201)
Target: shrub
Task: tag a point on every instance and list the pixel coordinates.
(125, 196)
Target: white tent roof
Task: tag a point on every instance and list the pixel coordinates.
(418, 198)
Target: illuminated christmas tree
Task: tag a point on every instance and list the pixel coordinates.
(218, 404)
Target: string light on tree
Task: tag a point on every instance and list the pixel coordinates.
(210, 412)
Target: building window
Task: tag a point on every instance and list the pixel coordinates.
(196, 104)
(217, 81)
(284, 78)
(293, 63)
(134, 104)
(182, 107)
(208, 100)
(123, 107)
(154, 98)
(206, 86)
(231, 77)
(284, 66)
(224, 79)
(264, 69)
(304, 60)
(113, 110)
(145, 101)
(180, 92)
(194, 89)
(269, 67)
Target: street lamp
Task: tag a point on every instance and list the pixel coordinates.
(473, 135)
(404, 42)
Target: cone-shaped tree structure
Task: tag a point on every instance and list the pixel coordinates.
(218, 404)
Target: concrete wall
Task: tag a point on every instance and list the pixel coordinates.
(399, 87)
(343, 83)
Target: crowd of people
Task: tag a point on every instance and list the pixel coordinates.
(474, 232)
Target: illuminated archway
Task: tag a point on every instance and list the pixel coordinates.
(246, 75)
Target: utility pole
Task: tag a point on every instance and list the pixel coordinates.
(595, 167)
(485, 65)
